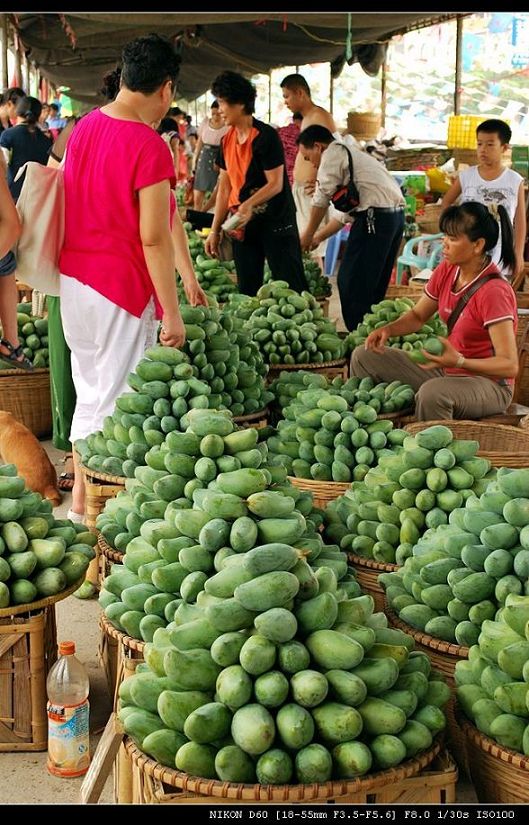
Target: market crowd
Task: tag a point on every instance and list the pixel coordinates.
(272, 194)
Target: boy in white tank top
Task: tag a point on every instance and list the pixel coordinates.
(492, 182)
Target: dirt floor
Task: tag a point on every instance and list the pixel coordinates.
(24, 778)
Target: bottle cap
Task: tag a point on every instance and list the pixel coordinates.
(66, 648)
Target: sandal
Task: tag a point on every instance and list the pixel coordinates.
(65, 481)
(13, 359)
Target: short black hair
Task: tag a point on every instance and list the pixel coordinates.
(30, 108)
(12, 95)
(498, 127)
(295, 81)
(214, 105)
(167, 124)
(314, 134)
(234, 88)
(55, 107)
(148, 62)
(111, 83)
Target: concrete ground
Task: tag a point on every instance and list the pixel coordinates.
(24, 778)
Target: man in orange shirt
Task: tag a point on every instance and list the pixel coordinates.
(253, 185)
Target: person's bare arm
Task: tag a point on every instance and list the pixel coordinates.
(331, 228)
(198, 149)
(10, 226)
(452, 195)
(184, 265)
(317, 213)
(158, 248)
(221, 210)
(520, 233)
(503, 364)
(411, 321)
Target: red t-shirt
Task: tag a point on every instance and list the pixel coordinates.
(289, 135)
(494, 301)
(108, 161)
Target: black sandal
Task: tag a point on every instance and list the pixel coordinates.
(13, 359)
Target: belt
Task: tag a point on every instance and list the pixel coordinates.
(380, 209)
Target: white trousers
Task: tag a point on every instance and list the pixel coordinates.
(106, 343)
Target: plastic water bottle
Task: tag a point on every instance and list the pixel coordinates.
(68, 713)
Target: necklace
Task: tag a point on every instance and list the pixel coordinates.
(461, 282)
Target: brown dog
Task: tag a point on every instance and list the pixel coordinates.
(19, 446)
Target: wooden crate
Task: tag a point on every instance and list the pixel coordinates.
(28, 649)
(430, 778)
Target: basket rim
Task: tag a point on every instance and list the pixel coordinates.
(485, 743)
(316, 485)
(327, 790)
(439, 645)
(100, 476)
(490, 427)
(27, 373)
(114, 633)
(17, 609)
(371, 564)
(107, 550)
(256, 416)
(339, 362)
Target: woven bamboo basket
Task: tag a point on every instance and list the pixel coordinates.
(499, 775)
(367, 572)
(322, 491)
(26, 395)
(99, 487)
(363, 125)
(28, 649)
(428, 223)
(107, 557)
(422, 779)
(413, 291)
(330, 369)
(24, 292)
(444, 657)
(504, 446)
(257, 420)
(114, 647)
(523, 326)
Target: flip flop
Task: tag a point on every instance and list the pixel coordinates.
(65, 481)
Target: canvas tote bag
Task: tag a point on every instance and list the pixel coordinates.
(41, 209)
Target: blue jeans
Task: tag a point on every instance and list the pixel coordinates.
(367, 262)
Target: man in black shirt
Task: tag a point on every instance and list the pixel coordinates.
(253, 185)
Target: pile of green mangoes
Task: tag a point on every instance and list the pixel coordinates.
(389, 310)
(39, 555)
(385, 397)
(263, 661)
(220, 367)
(289, 327)
(32, 336)
(214, 277)
(318, 284)
(492, 685)
(461, 574)
(322, 438)
(211, 475)
(412, 489)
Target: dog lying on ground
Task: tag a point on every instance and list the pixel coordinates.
(19, 446)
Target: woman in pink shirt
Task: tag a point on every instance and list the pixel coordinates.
(118, 258)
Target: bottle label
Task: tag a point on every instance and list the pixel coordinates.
(68, 739)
